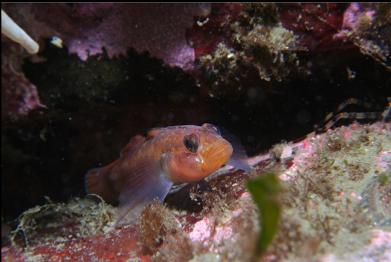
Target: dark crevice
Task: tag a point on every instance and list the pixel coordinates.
(95, 107)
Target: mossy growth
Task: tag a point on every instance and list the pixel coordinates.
(58, 221)
(335, 195)
(384, 179)
(262, 51)
(260, 13)
(372, 34)
(162, 235)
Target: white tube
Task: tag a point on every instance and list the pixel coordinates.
(17, 34)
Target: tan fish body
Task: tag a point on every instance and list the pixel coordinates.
(149, 166)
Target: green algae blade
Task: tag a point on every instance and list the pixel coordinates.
(265, 190)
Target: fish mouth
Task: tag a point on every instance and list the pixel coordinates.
(217, 154)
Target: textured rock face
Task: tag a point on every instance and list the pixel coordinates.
(88, 29)
(266, 72)
(336, 205)
(258, 41)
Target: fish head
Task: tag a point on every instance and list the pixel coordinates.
(200, 152)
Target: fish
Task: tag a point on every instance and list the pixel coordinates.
(148, 166)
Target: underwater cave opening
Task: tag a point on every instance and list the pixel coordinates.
(96, 106)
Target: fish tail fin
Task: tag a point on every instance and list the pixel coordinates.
(93, 181)
(96, 183)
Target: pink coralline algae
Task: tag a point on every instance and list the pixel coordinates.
(19, 95)
(159, 28)
(316, 24)
(87, 29)
(353, 18)
(201, 230)
(23, 95)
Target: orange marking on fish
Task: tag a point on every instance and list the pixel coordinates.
(149, 166)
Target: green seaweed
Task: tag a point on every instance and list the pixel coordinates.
(265, 190)
(383, 179)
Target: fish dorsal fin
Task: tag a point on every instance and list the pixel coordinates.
(147, 182)
(134, 144)
(154, 132)
(211, 127)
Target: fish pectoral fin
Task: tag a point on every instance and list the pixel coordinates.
(239, 157)
(177, 187)
(147, 183)
(240, 164)
(134, 144)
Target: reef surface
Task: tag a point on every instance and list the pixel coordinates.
(269, 73)
(336, 205)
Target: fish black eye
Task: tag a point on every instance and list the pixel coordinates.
(191, 142)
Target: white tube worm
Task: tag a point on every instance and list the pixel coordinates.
(17, 34)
